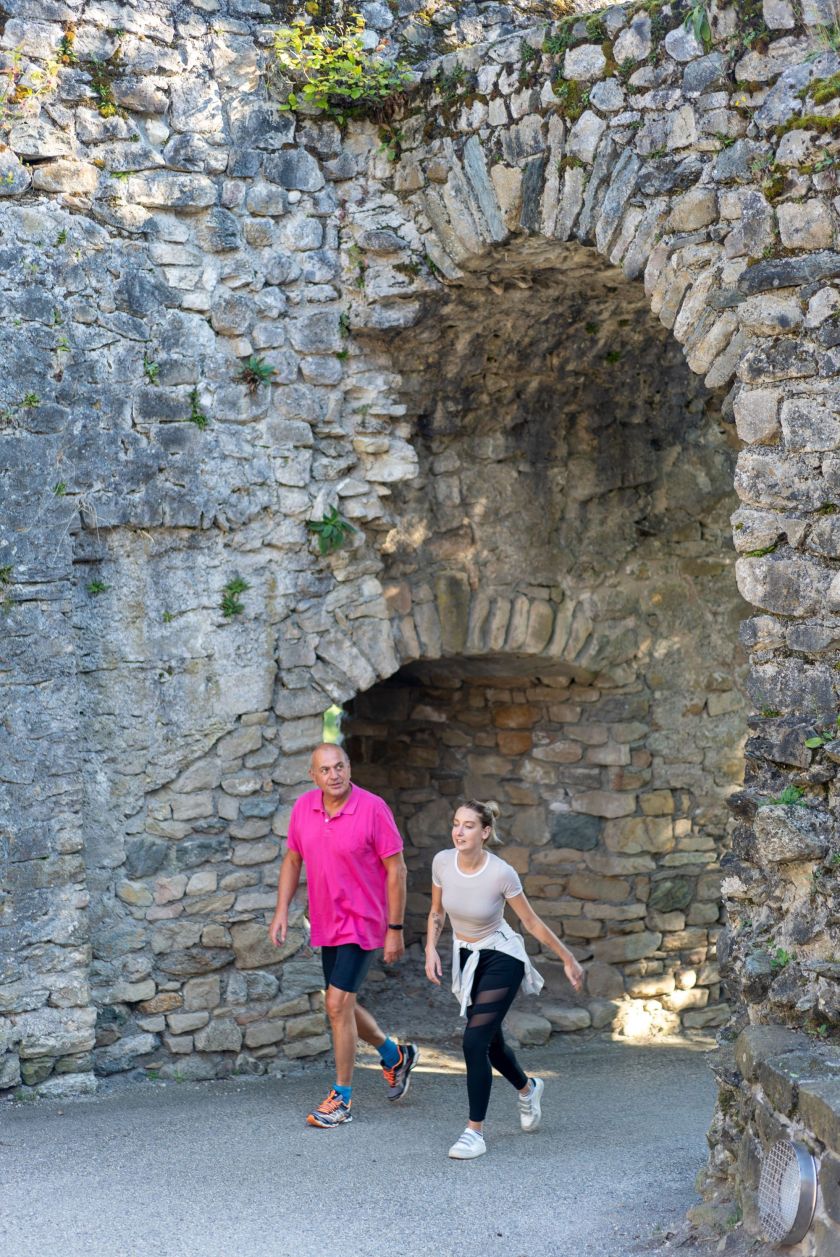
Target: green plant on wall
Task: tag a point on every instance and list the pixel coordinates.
(255, 371)
(697, 21)
(780, 958)
(332, 530)
(16, 94)
(824, 736)
(197, 415)
(231, 605)
(331, 69)
(791, 796)
(5, 582)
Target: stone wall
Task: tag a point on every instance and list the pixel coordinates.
(777, 1084)
(163, 222)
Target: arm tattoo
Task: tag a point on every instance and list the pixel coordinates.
(435, 927)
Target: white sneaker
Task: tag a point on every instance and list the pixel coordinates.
(470, 1144)
(530, 1111)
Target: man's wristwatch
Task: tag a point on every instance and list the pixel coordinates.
(394, 927)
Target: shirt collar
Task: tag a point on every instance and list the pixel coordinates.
(348, 807)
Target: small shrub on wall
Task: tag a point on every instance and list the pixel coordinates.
(332, 70)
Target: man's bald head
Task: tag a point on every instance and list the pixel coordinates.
(323, 747)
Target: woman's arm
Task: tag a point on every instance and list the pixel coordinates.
(434, 928)
(540, 931)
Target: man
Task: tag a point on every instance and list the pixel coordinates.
(349, 841)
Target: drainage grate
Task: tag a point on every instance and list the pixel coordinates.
(787, 1192)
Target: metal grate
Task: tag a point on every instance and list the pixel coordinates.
(786, 1192)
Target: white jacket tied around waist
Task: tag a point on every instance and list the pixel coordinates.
(506, 940)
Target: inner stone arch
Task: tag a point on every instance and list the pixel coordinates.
(560, 574)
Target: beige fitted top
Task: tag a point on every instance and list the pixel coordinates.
(475, 902)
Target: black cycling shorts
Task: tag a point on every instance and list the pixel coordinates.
(345, 966)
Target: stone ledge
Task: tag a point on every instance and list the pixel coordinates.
(789, 1089)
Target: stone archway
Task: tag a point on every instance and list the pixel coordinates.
(560, 570)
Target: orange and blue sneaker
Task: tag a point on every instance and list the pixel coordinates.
(331, 1112)
(397, 1077)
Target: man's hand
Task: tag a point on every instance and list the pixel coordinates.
(394, 946)
(279, 926)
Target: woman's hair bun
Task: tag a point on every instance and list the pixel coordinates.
(487, 813)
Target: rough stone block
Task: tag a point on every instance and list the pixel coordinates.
(575, 831)
(221, 1035)
(62, 1086)
(679, 1001)
(785, 833)
(300, 1048)
(634, 43)
(9, 1071)
(628, 947)
(830, 1185)
(606, 803)
(253, 949)
(584, 63)
(184, 1023)
(305, 1026)
(528, 1028)
(634, 834)
(132, 992)
(123, 1054)
(819, 1109)
(178, 1045)
(163, 1002)
(590, 886)
(136, 894)
(201, 993)
(66, 175)
(805, 225)
(693, 210)
(651, 987)
(564, 1018)
(167, 190)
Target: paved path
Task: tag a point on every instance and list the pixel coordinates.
(230, 1169)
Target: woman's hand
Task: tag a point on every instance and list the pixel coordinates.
(573, 971)
(434, 969)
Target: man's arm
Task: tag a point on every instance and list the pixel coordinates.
(395, 890)
(287, 884)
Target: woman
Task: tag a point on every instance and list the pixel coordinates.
(489, 962)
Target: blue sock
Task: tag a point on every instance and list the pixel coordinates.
(344, 1092)
(389, 1053)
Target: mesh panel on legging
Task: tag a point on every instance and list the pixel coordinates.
(497, 980)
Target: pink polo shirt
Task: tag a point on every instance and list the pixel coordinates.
(344, 871)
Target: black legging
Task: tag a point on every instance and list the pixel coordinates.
(497, 979)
